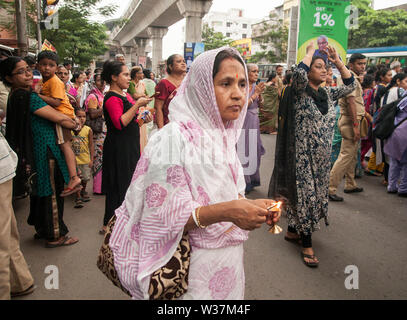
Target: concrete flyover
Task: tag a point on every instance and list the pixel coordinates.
(150, 19)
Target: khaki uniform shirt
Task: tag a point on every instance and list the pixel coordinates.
(358, 94)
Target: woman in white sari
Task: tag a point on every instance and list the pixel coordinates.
(189, 178)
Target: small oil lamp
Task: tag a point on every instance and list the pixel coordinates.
(276, 207)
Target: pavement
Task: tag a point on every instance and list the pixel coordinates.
(367, 234)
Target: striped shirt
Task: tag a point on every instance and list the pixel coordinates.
(8, 161)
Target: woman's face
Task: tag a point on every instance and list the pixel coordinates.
(230, 89)
(100, 84)
(253, 74)
(317, 73)
(179, 65)
(63, 74)
(387, 77)
(140, 75)
(123, 79)
(22, 76)
(82, 78)
(402, 83)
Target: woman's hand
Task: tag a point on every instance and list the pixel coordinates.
(310, 50)
(247, 215)
(273, 216)
(148, 118)
(38, 87)
(69, 123)
(143, 101)
(260, 88)
(333, 56)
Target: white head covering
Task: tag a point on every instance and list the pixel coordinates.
(191, 162)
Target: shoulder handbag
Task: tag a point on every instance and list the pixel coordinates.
(167, 283)
(364, 128)
(95, 124)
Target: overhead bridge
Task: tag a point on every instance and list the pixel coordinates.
(150, 19)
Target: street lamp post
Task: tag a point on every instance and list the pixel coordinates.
(39, 36)
(21, 19)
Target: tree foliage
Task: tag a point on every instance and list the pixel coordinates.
(212, 39)
(378, 28)
(76, 37)
(273, 39)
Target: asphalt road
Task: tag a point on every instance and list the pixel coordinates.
(368, 231)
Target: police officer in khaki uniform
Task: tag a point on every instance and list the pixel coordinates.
(352, 112)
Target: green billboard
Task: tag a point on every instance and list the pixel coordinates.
(325, 22)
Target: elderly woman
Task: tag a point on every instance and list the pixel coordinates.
(63, 74)
(31, 134)
(166, 89)
(250, 147)
(179, 185)
(303, 148)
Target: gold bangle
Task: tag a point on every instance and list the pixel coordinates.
(198, 220)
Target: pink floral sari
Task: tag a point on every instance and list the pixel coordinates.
(191, 162)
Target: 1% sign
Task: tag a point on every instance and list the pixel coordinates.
(323, 19)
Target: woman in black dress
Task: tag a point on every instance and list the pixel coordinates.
(121, 149)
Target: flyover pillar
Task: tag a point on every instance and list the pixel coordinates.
(157, 34)
(193, 11)
(141, 44)
(128, 52)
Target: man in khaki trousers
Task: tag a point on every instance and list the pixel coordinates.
(352, 112)
(15, 277)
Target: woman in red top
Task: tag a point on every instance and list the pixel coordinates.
(166, 88)
(121, 148)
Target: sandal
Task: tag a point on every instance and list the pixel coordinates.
(309, 264)
(64, 241)
(85, 196)
(69, 191)
(78, 204)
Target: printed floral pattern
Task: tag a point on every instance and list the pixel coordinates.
(142, 167)
(178, 177)
(222, 283)
(155, 195)
(192, 131)
(203, 197)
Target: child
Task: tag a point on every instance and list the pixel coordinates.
(53, 93)
(82, 145)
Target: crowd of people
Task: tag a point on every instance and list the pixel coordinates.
(162, 153)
